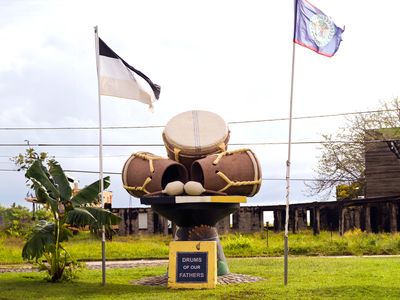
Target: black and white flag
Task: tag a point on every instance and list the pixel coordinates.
(119, 79)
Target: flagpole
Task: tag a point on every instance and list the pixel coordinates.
(103, 233)
(288, 162)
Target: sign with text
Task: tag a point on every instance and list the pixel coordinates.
(192, 264)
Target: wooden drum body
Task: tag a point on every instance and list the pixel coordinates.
(193, 135)
(236, 172)
(145, 173)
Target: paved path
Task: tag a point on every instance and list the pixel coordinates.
(94, 265)
(127, 263)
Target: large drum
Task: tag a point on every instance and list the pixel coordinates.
(192, 135)
(146, 173)
(234, 172)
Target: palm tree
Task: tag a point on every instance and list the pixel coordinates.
(52, 188)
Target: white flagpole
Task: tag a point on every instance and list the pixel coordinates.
(288, 162)
(103, 233)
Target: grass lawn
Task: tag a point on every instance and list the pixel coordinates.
(85, 247)
(309, 278)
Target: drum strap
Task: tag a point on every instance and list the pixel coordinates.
(235, 183)
(148, 157)
(176, 154)
(139, 188)
(222, 154)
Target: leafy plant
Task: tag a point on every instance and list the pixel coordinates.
(17, 220)
(237, 242)
(24, 161)
(52, 188)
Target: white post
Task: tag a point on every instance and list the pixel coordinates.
(103, 233)
(288, 162)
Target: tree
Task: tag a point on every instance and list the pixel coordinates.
(342, 161)
(52, 188)
(24, 161)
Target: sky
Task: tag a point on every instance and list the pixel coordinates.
(233, 58)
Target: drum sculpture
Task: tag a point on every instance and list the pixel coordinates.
(195, 134)
(200, 182)
(234, 172)
(146, 173)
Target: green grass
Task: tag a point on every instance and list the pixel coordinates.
(121, 248)
(10, 250)
(309, 278)
(85, 247)
(305, 243)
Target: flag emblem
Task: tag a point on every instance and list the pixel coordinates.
(322, 29)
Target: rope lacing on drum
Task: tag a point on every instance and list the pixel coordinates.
(176, 154)
(235, 183)
(222, 154)
(148, 157)
(139, 188)
(226, 179)
(222, 147)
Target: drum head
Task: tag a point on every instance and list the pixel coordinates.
(196, 131)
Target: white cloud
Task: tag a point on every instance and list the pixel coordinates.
(229, 57)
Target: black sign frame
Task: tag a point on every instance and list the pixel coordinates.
(197, 267)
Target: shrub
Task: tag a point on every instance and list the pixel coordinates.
(356, 232)
(237, 242)
(16, 221)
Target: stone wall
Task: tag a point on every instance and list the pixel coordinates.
(248, 219)
(371, 215)
(223, 226)
(129, 224)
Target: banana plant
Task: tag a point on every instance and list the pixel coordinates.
(51, 186)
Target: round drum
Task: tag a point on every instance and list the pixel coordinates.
(145, 173)
(234, 172)
(192, 135)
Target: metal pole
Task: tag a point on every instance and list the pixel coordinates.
(103, 232)
(288, 162)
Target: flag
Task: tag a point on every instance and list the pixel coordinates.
(315, 30)
(118, 79)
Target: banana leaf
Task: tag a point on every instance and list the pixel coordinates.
(43, 196)
(80, 217)
(36, 172)
(42, 239)
(90, 193)
(103, 217)
(61, 180)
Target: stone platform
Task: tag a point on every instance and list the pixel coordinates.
(230, 278)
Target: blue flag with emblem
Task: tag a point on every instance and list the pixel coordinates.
(315, 30)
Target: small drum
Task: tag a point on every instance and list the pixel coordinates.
(193, 135)
(234, 172)
(145, 173)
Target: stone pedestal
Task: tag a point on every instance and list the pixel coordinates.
(196, 218)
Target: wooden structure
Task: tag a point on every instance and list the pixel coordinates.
(382, 168)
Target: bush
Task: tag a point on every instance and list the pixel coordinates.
(17, 220)
(237, 242)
